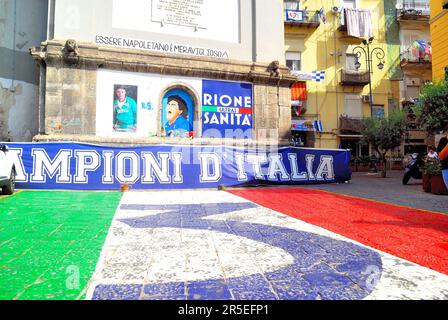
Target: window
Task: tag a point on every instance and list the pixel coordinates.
(353, 106)
(412, 92)
(349, 3)
(350, 61)
(291, 5)
(293, 60)
(357, 149)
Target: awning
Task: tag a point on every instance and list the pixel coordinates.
(298, 91)
(307, 125)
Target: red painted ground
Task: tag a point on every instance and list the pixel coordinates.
(415, 235)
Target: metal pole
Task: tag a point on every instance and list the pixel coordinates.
(369, 62)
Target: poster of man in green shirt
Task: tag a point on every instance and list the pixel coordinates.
(125, 108)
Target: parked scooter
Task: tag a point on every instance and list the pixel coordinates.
(412, 168)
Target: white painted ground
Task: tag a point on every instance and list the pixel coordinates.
(135, 256)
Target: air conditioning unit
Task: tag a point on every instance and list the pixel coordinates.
(365, 98)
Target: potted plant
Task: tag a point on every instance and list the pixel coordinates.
(428, 169)
(433, 172)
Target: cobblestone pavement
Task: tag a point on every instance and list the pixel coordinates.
(390, 189)
(200, 245)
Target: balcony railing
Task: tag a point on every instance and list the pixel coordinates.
(302, 18)
(419, 55)
(354, 78)
(350, 125)
(415, 10)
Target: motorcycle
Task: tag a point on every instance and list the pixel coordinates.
(412, 168)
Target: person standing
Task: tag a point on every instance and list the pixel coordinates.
(442, 150)
(125, 111)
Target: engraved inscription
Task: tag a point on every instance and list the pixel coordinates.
(189, 13)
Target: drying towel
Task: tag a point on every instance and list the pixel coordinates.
(359, 23)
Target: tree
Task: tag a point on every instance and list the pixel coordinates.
(432, 107)
(384, 134)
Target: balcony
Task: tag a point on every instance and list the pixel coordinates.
(349, 125)
(302, 18)
(411, 122)
(413, 10)
(415, 59)
(354, 78)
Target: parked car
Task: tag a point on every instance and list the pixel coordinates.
(7, 172)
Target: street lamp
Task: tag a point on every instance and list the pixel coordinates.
(369, 54)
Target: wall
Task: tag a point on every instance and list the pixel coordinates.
(439, 26)
(229, 25)
(22, 25)
(228, 41)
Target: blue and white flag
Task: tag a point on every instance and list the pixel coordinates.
(318, 76)
(322, 15)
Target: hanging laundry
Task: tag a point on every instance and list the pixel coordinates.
(421, 48)
(415, 49)
(359, 23)
(428, 51)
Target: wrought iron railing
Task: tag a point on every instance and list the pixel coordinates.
(302, 17)
(413, 8)
(350, 124)
(354, 78)
(420, 53)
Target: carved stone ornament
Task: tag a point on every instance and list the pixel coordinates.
(274, 68)
(70, 52)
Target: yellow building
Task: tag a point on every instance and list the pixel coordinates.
(320, 42)
(439, 38)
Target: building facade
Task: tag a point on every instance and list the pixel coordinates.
(22, 24)
(415, 62)
(340, 97)
(439, 26)
(163, 71)
(400, 55)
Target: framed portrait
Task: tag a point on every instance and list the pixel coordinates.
(125, 108)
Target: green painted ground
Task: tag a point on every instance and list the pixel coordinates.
(50, 242)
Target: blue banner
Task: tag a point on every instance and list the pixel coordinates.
(75, 166)
(226, 109)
